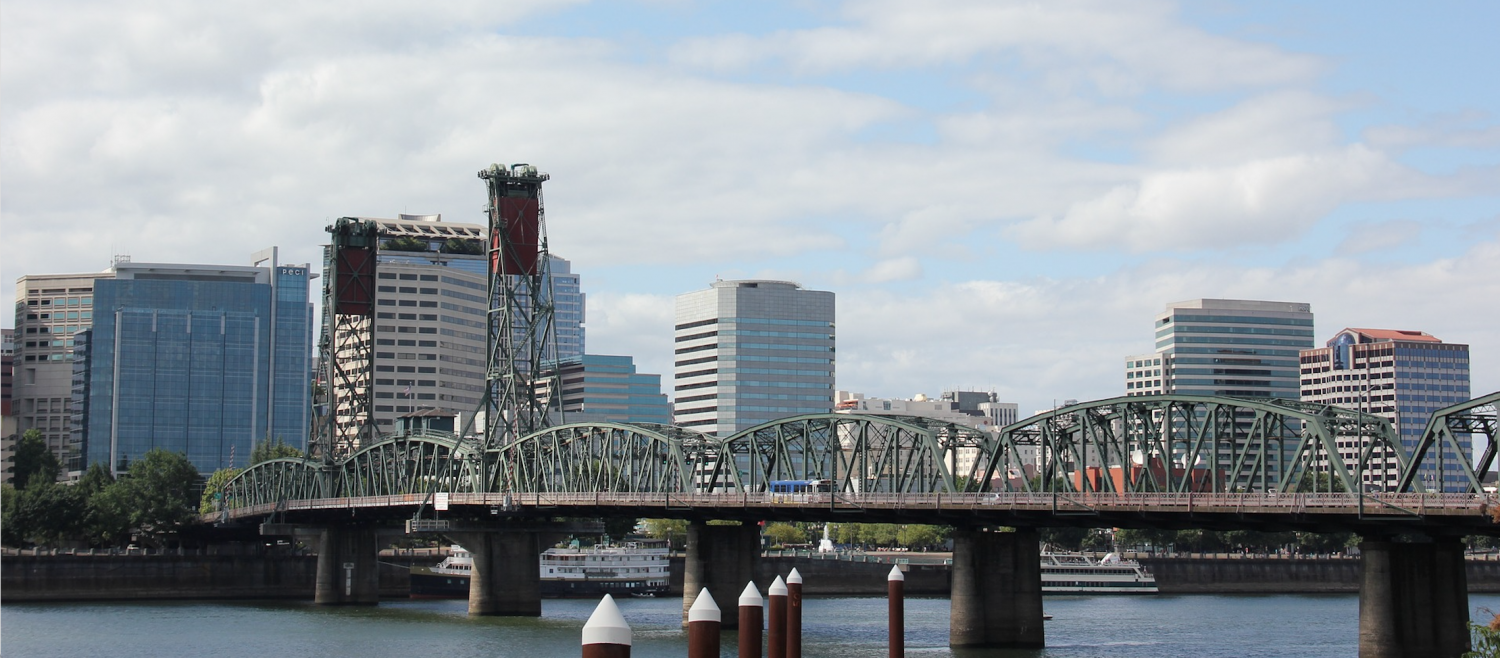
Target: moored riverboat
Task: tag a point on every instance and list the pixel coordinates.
(1071, 573)
(633, 568)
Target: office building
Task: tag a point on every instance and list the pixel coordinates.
(749, 352)
(977, 409)
(50, 309)
(1403, 376)
(203, 360)
(431, 301)
(1143, 375)
(8, 436)
(602, 388)
(1225, 347)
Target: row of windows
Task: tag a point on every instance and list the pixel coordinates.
(1258, 331)
(409, 277)
(70, 301)
(1239, 319)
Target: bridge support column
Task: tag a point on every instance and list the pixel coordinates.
(506, 580)
(721, 558)
(348, 572)
(997, 590)
(1413, 600)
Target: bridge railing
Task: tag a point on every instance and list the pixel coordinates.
(1367, 504)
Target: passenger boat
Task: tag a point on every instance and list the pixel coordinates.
(633, 568)
(1071, 573)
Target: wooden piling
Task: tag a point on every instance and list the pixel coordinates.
(794, 615)
(776, 619)
(752, 607)
(703, 627)
(895, 591)
(605, 634)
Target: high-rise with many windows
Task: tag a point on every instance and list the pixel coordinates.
(432, 286)
(50, 309)
(604, 388)
(1230, 347)
(1401, 375)
(203, 360)
(748, 352)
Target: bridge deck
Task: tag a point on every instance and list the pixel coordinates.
(1465, 512)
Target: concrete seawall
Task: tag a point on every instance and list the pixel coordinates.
(165, 577)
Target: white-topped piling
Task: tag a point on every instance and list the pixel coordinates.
(776, 619)
(794, 614)
(895, 590)
(703, 626)
(605, 634)
(751, 608)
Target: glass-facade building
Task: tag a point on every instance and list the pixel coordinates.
(1227, 347)
(1401, 375)
(749, 352)
(198, 359)
(604, 388)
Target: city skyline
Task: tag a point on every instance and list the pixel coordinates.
(1001, 196)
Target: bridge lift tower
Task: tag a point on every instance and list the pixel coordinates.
(521, 334)
(346, 421)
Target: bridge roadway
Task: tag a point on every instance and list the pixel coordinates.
(1373, 514)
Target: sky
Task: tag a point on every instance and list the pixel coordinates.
(1002, 194)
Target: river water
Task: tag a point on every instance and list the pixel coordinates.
(1082, 626)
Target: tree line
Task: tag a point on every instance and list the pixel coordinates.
(149, 504)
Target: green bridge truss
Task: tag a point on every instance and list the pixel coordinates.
(1147, 444)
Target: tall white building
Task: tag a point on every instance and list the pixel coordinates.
(748, 352)
(431, 300)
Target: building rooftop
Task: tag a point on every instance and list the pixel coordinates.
(1243, 305)
(1381, 335)
(425, 226)
(757, 283)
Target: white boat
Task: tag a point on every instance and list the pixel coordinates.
(638, 567)
(632, 568)
(1071, 573)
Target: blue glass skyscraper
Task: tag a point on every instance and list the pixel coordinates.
(199, 359)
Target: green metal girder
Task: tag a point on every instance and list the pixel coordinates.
(1477, 416)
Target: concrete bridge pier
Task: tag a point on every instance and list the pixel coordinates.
(721, 558)
(1413, 600)
(506, 580)
(348, 572)
(996, 598)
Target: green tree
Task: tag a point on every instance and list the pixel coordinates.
(7, 513)
(406, 243)
(921, 536)
(213, 490)
(1485, 638)
(780, 534)
(48, 513)
(161, 491)
(1136, 537)
(463, 246)
(268, 450)
(33, 461)
(672, 530)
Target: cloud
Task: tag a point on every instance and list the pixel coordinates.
(1262, 201)
(1378, 236)
(1039, 339)
(1265, 126)
(1116, 47)
(904, 268)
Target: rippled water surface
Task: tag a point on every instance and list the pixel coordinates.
(1117, 627)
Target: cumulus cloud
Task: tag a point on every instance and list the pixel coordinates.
(1114, 46)
(1262, 201)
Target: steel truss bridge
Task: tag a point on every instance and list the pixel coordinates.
(1191, 461)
